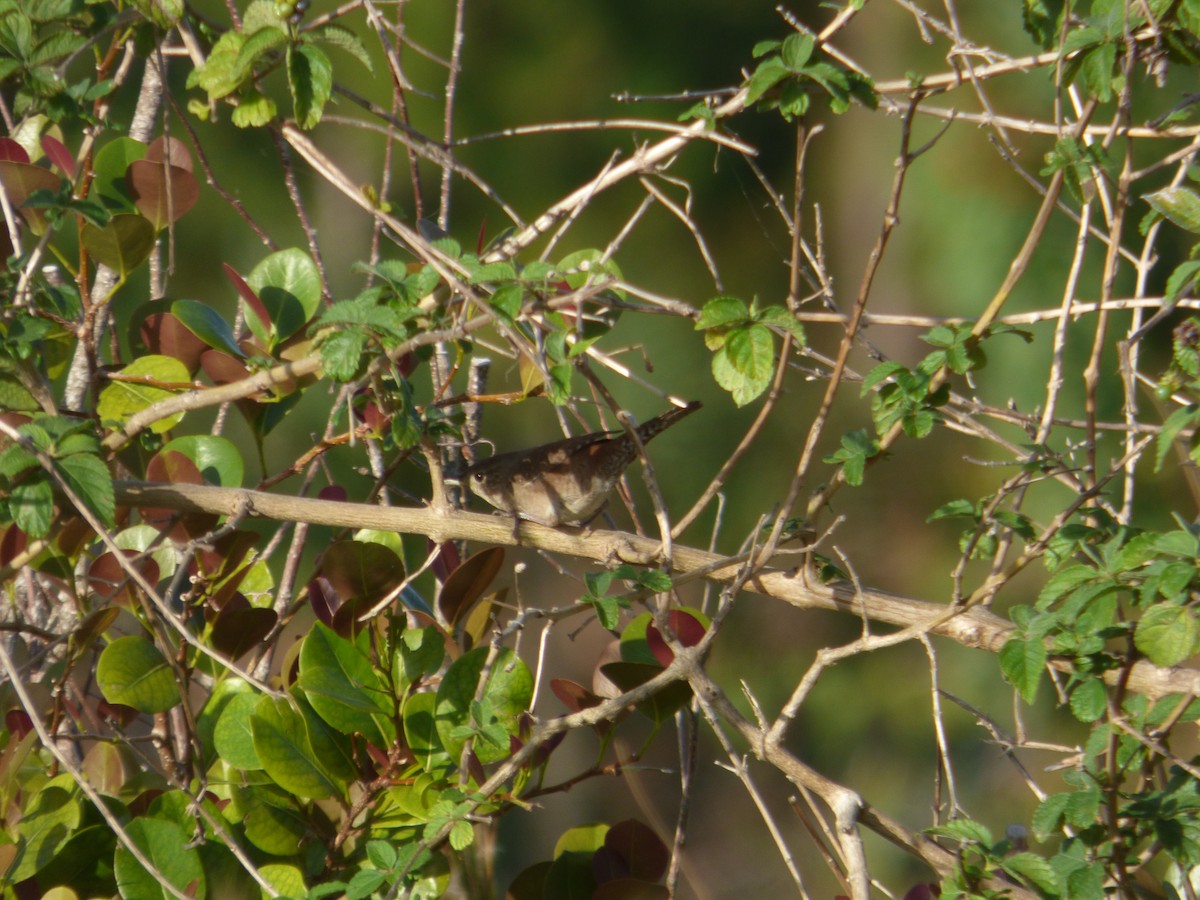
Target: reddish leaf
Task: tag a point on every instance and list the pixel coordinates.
(22, 179)
(18, 722)
(378, 756)
(333, 492)
(93, 626)
(529, 883)
(644, 856)
(689, 631)
(222, 563)
(240, 626)
(12, 544)
(164, 334)
(548, 746)
(221, 368)
(323, 599)
(362, 570)
(658, 646)
(602, 685)
(170, 150)
(173, 467)
(117, 712)
(660, 706)
(11, 151)
(467, 583)
(345, 620)
(75, 532)
(59, 155)
(162, 193)
(630, 889)
(475, 768)
(141, 803)
(608, 866)
(247, 293)
(686, 626)
(373, 417)
(446, 561)
(574, 696)
(109, 580)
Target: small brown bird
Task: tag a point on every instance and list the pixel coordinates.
(564, 482)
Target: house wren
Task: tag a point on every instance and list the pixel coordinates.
(565, 482)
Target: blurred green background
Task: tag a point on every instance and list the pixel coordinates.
(964, 214)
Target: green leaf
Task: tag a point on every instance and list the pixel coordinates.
(857, 448)
(222, 695)
(310, 76)
(220, 75)
(1180, 279)
(232, 737)
(762, 48)
(1083, 807)
(797, 49)
(344, 39)
(111, 165)
(1032, 869)
(1089, 700)
(273, 822)
(90, 479)
(382, 854)
(654, 580)
(783, 319)
(1022, 661)
(133, 672)
(493, 272)
(421, 732)
(420, 652)
(49, 819)
(1181, 205)
(343, 686)
(363, 884)
(343, 354)
(964, 830)
(1167, 634)
(289, 286)
(768, 73)
(122, 244)
(745, 363)
(121, 399)
(165, 846)
(509, 691)
(254, 110)
(285, 749)
(15, 459)
(879, 374)
(31, 505)
(1177, 422)
(257, 45)
(165, 14)
(960, 508)
(1048, 817)
(286, 878)
(722, 312)
(507, 300)
(462, 834)
(589, 266)
(206, 323)
(218, 458)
